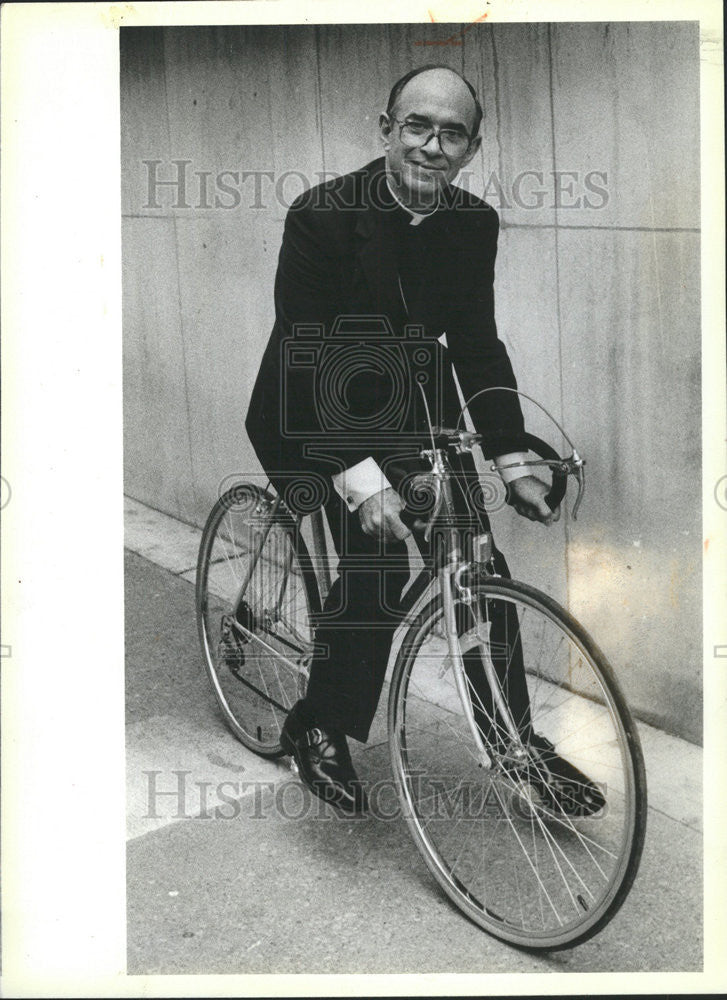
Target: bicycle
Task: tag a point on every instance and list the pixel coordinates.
(474, 782)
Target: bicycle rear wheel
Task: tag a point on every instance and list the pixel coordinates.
(256, 598)
(532, 871)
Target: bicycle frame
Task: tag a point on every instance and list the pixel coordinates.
(452, 567)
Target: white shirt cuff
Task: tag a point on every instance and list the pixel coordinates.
(508, 475)
(361, 481)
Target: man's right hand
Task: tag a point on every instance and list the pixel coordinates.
(379, 516)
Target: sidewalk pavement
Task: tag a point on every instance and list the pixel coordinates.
(234, 868)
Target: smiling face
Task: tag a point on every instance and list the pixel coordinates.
(418, 174)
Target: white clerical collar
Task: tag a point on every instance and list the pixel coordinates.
(416, 217)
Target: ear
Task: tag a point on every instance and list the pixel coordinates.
(385, 129)
(474, 148)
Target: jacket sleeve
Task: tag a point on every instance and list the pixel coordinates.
(480, 358)
(307, 303)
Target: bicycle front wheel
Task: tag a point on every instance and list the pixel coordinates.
(256, 601)
(514, 852)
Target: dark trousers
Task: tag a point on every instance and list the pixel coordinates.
(360, 616)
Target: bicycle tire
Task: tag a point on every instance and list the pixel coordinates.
(247, 651)
(496, 882)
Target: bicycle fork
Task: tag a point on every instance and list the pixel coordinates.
(449, 579)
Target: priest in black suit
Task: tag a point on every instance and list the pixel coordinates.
(384, 283)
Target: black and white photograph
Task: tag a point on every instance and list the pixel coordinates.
(519, 203)
(415, 356)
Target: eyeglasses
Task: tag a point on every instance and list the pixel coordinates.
(451, 141)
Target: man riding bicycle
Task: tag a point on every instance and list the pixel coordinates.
(384, 283)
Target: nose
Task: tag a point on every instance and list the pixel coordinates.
(433, 146)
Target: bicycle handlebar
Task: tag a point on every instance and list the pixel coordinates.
(560, 468)
(559, 472)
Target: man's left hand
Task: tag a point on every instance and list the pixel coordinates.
(527, 495)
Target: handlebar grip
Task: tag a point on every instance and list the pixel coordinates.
(560, 479)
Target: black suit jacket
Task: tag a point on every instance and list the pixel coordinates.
(339, 377)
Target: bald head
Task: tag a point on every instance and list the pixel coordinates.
(436, 82)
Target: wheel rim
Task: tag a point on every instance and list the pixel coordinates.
(534, 876)
(255, 623)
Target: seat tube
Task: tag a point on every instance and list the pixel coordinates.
(256, 557)
(284, 582)
(318, 532)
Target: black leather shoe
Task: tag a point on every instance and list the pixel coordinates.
(562, 790)
(324, 762)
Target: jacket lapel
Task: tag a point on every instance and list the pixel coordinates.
(376, 250)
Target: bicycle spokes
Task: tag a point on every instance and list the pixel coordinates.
(540, 843)
(256, 601)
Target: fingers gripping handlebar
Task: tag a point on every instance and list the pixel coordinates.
(559, 471)
(560, 468)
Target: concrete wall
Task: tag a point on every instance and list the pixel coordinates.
(597, 299)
